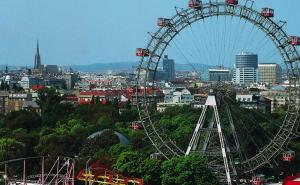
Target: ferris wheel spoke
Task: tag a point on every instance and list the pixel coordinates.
(237, 36)
(207, 43)
(225, 37)
(197, 44)
(185, 57)
(249, 39)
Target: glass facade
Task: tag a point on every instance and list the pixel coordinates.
(246, 60)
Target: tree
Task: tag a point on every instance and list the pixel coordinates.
(23, 119)
(117, 149)
(190, 170)
(93, 100)
(48, 99)
(105, 122)
(129, 115)
(128, 105)
(74, 126)
(97, 100)
(151, 171)
(116, 103)
(11, 149)
(129, 163)
(56, 145)
(27, 138)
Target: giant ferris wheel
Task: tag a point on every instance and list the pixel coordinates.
(169, 30)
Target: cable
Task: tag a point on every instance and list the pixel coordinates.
(186, 59)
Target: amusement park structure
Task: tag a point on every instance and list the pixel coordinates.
(98, 174)
(60, 173)
(168, 29)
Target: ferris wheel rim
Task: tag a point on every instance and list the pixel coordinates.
(160, 41)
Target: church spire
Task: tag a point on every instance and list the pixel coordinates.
(37, 59)
(37, 47)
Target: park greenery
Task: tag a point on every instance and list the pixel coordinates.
(62, 129)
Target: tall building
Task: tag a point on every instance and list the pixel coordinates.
(216, 75)
(245, 68)
(169, 68)
(269, 73)
(37, 59)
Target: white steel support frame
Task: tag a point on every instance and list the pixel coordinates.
(223, 148)
(195, 138)
(211, 102)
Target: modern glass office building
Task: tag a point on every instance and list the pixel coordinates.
(169, 68)
(245, 68)
(216, 75)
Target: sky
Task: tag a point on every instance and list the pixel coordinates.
(94, 31)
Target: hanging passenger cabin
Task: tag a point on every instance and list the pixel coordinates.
(135, 125)
(232, 2)
(195, 4)
(258, 180)
(267, 12)
(288, 156)
(140, 52)
(294, 40)
(163, 22)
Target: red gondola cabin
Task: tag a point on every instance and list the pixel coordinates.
(267, 12)
(136, 126)
(258, 180)
(288, 156)
(295, 41)
(163, 22)
(140, 52)
(232, 2)
(195, 4)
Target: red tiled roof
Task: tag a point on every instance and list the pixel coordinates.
(93, 93)
(37, 87)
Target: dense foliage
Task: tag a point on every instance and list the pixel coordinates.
(62, 129)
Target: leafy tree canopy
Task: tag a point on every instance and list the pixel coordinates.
(190, 170)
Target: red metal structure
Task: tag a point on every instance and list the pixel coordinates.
(163, 22)
(294, 40)
(140, 52)
(195, 4)
(267, 12)
(232, 2)
(288, 156)
(292, 180)
(99, 174)
(258, 180)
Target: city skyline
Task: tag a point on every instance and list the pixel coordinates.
(81, 33)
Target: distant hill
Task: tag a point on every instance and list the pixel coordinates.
(130, 66)
(102, 67)
(2, 67)
(121, 66)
